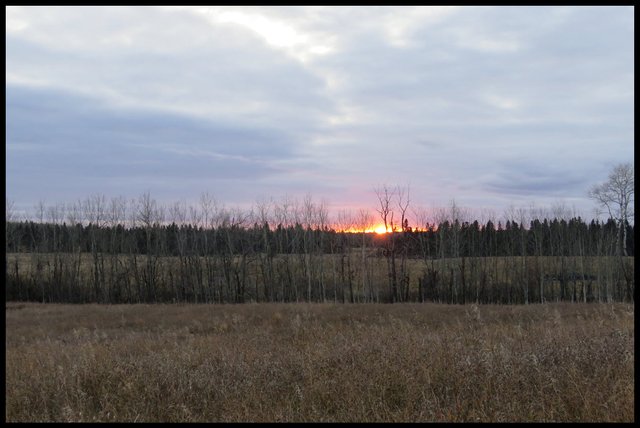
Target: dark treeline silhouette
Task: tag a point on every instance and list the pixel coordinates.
(227, 256)
(475, 240)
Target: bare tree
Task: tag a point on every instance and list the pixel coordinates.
(403, 204)
(211, 216)
(309, 218)
(149, 215)
(522, 217)
(385, 198)
(9, 209)
(365, 222)
(616, 195)
(116, 216)
(322, 220)
(345, 221)
(74, 218)
(55, 214)
(537, 233)
(94, 208)
(8, 228)
(178, 216)
(266, 256)
(9, 239)
(425, 226)
(237, 253)
(284, 214)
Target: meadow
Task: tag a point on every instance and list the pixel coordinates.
(303, 362)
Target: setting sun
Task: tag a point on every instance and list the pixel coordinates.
(380, 229)
(377, 229)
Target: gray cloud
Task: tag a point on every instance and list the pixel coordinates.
(482, 104)
(65, 139)
(539, 180)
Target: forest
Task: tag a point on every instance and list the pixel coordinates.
(138, 251)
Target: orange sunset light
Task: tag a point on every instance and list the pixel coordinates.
(379, 229)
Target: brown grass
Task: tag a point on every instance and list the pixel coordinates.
(319, 362)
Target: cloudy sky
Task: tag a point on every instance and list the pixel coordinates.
(487, 106)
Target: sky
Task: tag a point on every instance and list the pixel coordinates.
(489, 107)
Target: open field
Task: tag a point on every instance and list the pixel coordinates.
(319, 362)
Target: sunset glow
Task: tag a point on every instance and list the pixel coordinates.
(381, 229)
(377, 229)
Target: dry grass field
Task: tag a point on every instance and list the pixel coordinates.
(319, 362)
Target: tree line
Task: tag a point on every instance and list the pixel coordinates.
(129, 251)
(444, 240)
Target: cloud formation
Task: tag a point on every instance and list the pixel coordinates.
(487, 105)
